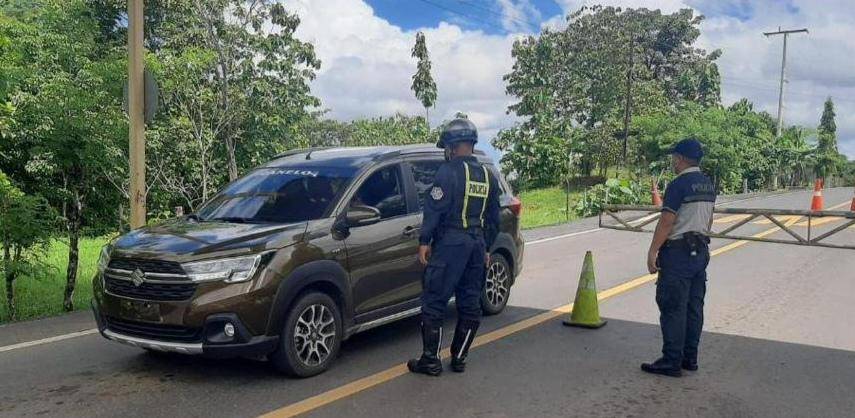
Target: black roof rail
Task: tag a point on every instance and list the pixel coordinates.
(300, 151)
(417, 149)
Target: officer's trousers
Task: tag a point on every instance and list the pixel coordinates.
(680, 292)
(456, 267)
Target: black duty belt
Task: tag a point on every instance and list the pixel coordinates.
(473, 230)
(692, 241)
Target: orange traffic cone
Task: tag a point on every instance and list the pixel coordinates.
(852, 206)
(816, 202)
(657, 200)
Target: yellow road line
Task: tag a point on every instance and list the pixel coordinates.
(821, 221)
(352, 388)
(785, 218)
(729, 219)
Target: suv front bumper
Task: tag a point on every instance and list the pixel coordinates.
(209, 344)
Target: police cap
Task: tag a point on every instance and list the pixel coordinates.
(689, 148)
(457, 130)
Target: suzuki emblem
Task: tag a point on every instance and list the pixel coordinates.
(138, 277)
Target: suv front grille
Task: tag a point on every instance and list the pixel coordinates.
(150, 291)
(161, 332)
(147, 266)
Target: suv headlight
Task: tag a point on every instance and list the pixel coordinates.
(104, 259)
(230, 270)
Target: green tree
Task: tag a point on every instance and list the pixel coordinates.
(235, 90)
(423, 85)
(606, 67)
(68, 115)
(260, 71)
(827, 159)
(736, 142)
(396, 130)
(26, 225)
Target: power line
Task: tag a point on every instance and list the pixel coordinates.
(759, 86)
(459, 13)
(498, 13)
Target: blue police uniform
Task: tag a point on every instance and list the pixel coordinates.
(682, 262)
(461, 221)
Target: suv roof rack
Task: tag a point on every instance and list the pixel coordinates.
(301, 151)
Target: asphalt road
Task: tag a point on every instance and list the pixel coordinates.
(778, 342)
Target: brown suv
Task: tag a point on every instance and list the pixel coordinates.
(289, 260)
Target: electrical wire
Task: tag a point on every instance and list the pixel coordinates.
(462, 14)
(498, 13)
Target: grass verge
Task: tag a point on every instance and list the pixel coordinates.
(547, 206)
(38, 297)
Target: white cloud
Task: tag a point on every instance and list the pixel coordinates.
(518, 16)
(366, 65)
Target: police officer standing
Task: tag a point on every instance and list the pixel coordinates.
(461, 221)
(680, 253)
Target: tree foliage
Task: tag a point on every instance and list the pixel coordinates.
(26, 225)
(68, 121)
(578, 87)
(739, 144)
(423, 85)
(828, 160)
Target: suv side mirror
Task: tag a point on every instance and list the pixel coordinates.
(360, 215)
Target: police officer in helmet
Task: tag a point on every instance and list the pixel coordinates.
(461, 221)
(680, 253)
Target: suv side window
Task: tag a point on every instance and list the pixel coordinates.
(423, 174)
(383, 190)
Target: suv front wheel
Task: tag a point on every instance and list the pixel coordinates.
(497, 288)
(312, 336)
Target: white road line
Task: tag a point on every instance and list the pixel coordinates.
(48, 340)
(538, 241)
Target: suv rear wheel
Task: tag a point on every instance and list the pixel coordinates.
(312, 336)
(497, 289)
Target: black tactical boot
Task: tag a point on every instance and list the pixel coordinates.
(690, 364)
(464, 334)
(663, 368)
(429, 363)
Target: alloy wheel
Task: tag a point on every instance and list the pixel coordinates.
(497, 283)
(314, 334)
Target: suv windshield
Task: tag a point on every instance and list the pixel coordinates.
(278, 195)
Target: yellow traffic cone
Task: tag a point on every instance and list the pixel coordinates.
(586, 313)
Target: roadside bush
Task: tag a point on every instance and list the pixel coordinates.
(26, 224)
(614, 192)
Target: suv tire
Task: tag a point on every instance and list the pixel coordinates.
(312, 336)
(497, 288)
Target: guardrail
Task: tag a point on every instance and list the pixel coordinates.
(808, 239)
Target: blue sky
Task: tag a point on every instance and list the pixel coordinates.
(484, 15)
(364, 46)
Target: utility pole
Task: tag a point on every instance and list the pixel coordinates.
(628, 105)
(136, 105)
(785, 33)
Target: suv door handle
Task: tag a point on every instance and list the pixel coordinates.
(410, 231)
